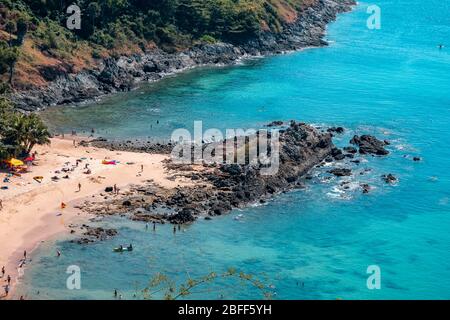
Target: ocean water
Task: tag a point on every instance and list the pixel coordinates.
(314, 243)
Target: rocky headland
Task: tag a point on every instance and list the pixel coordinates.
(220, 188)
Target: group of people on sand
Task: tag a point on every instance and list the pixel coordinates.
(8, 279)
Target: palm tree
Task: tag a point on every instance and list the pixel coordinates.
(23, 132)
(32, 132)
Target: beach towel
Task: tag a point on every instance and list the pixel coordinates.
(112, 162)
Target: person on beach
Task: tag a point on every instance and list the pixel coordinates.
(1, 205)
(8, 279)
(25, 255)
(58, 253)
(115, 293)
(154, 226)
(116, 191)
(79, 187)
(146, 226)
(142, 168)
(174, 229)
(6, 290)
(3, 271)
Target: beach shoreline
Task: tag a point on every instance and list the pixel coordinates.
(33, 212)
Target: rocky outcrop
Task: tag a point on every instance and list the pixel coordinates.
(221, 187)
(125, 73)
(134, 146)
(370, 145)
(341, 172)
(94, 234)
(389, 178)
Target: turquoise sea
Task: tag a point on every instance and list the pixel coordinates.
(314, 243)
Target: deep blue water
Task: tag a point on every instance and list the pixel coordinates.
(310, 244)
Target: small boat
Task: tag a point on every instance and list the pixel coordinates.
(123, 249)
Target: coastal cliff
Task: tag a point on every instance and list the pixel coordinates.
(125, 72)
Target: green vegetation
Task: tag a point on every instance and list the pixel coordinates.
(165, 22)
(8, 58)
(163, 285)
(19, 132)
(123, 27)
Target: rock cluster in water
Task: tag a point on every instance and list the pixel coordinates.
(219, 188)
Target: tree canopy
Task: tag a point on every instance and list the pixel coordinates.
(19, 132)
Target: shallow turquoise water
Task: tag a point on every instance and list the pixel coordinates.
(312, 243)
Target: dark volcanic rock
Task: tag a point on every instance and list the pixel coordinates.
(184, 216)
(95, 234)
(370, 145)
(351, 150)
(389, 178)
(337, 154)
(134, 146)
(366, 188)
(341, 172)
(276, 123)
(338, 130)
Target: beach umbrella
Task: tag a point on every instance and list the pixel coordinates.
(16, 162)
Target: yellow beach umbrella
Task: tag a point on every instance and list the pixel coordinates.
(16, 162)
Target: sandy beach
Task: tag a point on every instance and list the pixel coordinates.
(32, 211)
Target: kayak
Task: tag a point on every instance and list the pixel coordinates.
(124, 249)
